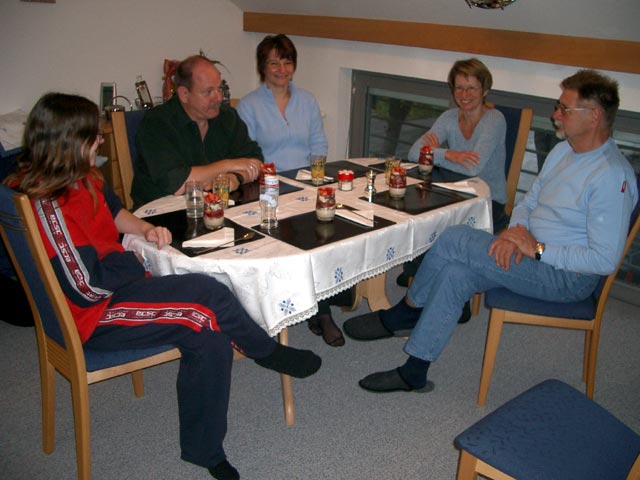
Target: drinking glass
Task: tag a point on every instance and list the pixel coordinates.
(221, 186)
(326, 204)
(389, 163)
(194, 200)
(398, 182)
(317, 164)
(213, 211)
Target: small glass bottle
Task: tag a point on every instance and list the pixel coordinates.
(143, 93)
(370, 189)
(269, 193)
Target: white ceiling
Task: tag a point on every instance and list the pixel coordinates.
(613, 19)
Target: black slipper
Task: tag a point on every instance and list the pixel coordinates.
(224, 471)
(391, 381)
(367, 327)
(291, 361)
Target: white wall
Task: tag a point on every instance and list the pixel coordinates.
(73, 45)
(324, 67)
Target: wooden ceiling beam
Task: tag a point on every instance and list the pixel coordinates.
(614, 55)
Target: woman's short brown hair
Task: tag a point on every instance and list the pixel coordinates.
(471, 67)
(284, 48)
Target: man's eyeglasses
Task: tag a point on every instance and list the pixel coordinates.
(461, 89)
(564, 109)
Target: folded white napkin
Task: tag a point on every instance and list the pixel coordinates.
(408, 165)
(306, 175)
(461, 186)
(363, 217)
(212, 239)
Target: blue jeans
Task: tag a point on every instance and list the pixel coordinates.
(457, 266)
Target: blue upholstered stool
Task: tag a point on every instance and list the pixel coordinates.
(551, 431)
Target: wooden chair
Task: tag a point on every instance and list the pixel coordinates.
(508, 307)
(518, 126)
(59, 345)
(125, 125)
(550, 431)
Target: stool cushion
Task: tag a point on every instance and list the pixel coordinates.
(553, 431)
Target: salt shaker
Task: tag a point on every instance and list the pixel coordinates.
(370, 189)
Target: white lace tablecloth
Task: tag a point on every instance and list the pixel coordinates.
(280, 285)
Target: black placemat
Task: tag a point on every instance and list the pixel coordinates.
(421, 198)
(250, 192)
(331, 170)
(438, 174)
(183, 228)
(306, 232)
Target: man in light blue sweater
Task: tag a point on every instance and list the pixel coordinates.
(569, 230)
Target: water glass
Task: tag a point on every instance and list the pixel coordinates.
(194, 200)
(317, 164)
(221, 186)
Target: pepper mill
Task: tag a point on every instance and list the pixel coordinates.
(370, 189)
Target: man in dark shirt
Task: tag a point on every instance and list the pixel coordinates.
(193, 136)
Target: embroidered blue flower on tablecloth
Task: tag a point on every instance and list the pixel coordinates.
(287, 306)
(433, 236)
(250, 212)
(391, 253)
(149, 211)
(471, 221)
(338, 275)
(241, 250)
(303, 198)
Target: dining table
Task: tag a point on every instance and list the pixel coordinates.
(280, 276)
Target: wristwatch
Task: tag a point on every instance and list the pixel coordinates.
(539, 250)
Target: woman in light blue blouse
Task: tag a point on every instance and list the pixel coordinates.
(285, 120)
(474, 132)
(474, 135)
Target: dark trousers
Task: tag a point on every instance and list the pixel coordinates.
(204, 376)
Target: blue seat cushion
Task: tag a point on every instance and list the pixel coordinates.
(553, 431)
(505, 299)
(98, 359)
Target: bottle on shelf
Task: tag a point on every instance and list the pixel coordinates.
(143, 93)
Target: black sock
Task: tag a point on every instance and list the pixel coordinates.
(291, 361)
(414, 372)
(400, 317)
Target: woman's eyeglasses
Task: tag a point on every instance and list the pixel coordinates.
(461, 89)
